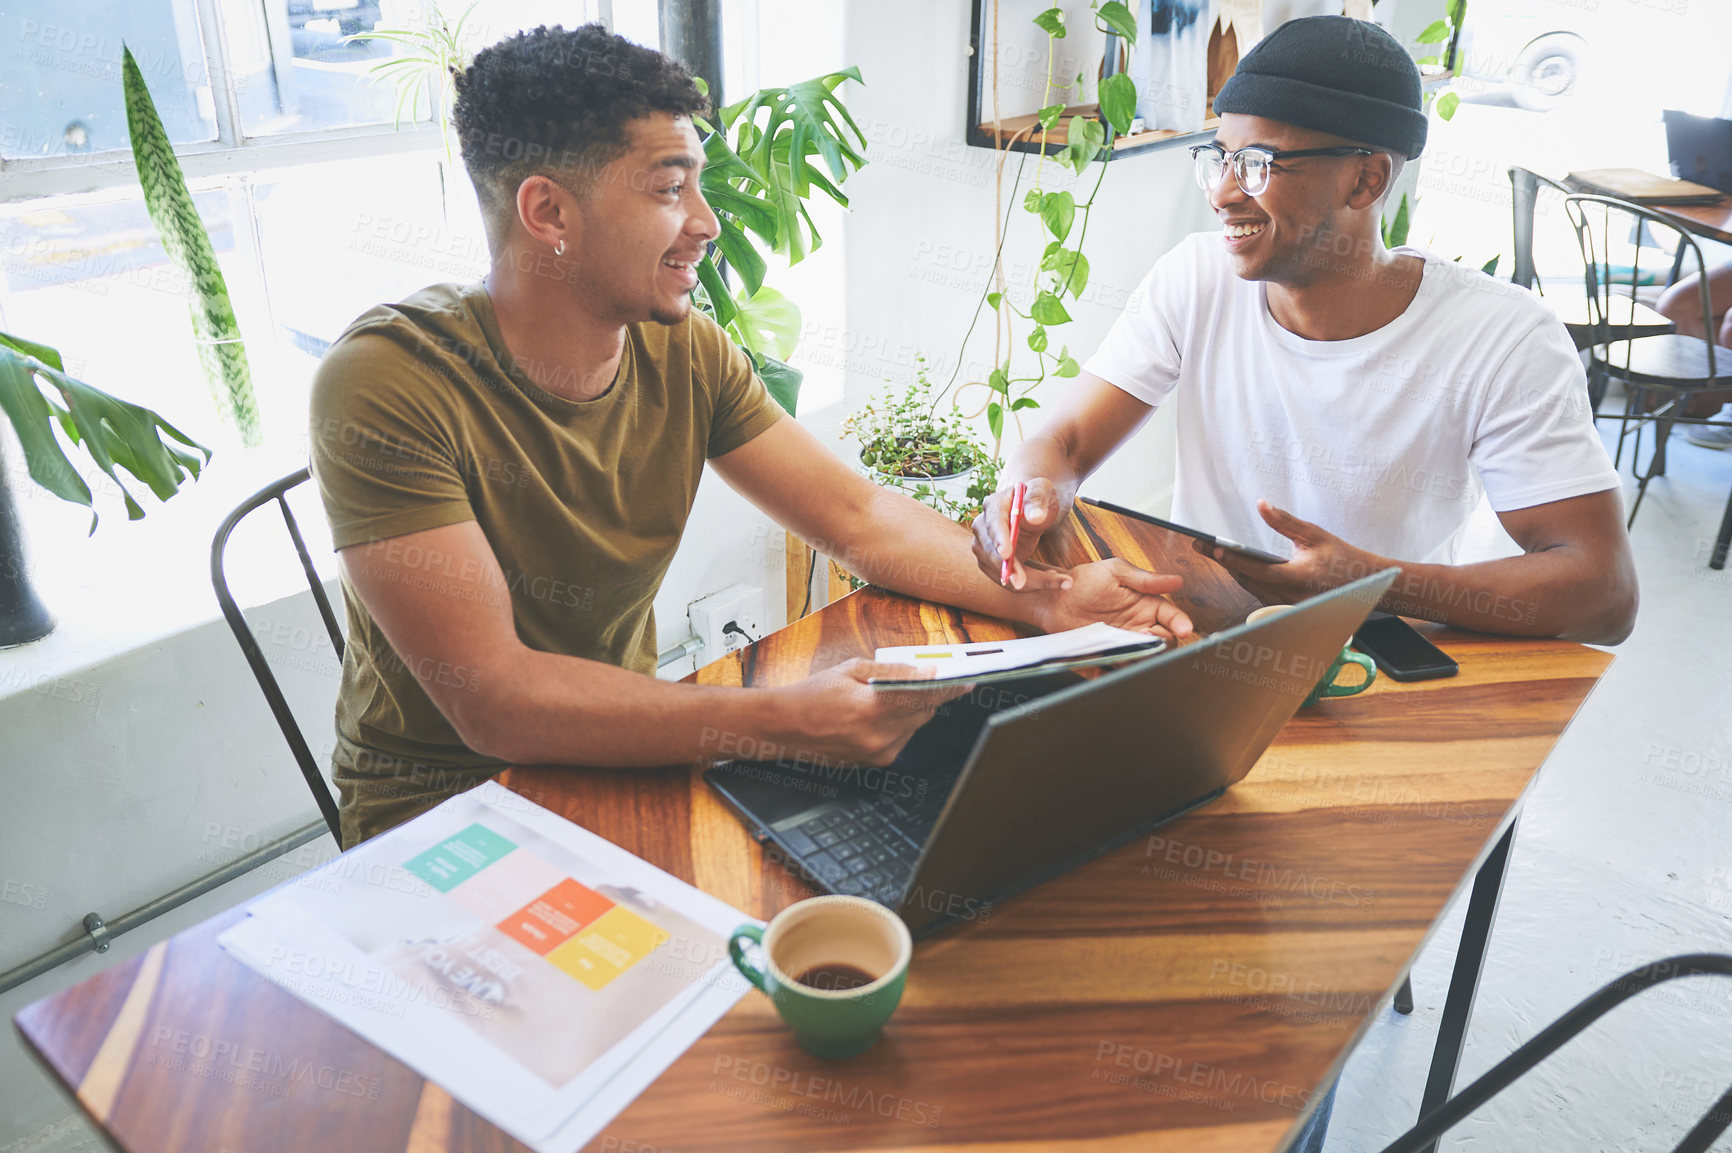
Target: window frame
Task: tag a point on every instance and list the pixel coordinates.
(233, 152)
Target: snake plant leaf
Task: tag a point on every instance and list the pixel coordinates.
(187, 243)
(116, 434)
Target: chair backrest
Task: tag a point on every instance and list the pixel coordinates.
(1524, 196)
(277, 492)
(1597, 219)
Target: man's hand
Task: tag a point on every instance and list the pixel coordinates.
(1121, 594)
(836, 714)
(1043, 506)
(1321, 561)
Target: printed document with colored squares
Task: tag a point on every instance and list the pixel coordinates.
(539, 974)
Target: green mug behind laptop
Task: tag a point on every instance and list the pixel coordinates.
(1326, 685)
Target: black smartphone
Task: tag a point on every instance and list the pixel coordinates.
(1400, 651)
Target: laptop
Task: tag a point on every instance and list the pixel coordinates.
(1700, 148)
(1021, 781)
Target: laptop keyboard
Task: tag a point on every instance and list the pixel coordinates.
(862, 848)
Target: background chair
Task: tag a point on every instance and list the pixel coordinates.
(1434, 1122)
(1570, 305)
(303, 755)
(1666, 369)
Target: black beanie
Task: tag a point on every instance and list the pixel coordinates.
(1332, 74)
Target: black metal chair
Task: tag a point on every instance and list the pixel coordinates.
(1670, 368)
(1570, 305)
(277, 492)
(1434, 1122)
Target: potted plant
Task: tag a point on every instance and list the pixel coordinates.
(911, 443)
(38, 396)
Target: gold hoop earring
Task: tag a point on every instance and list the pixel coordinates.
(559, 249)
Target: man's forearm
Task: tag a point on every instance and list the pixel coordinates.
(545, 708)
(1539, 594)
(1045, 455)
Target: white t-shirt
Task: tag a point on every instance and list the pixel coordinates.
(1386, 440)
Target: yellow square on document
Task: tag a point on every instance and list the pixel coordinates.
(607, 947)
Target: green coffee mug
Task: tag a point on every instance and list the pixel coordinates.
(1326, 686)
(814, 952)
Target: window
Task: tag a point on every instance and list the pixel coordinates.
(318, 208)
(241, 85)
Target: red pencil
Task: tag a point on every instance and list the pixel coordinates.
(1016, 495)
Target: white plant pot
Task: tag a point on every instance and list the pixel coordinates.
(954, 486)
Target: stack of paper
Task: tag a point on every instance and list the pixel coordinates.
(1000, 660)
(538, 973)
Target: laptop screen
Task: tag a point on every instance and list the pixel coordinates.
(1700, 148)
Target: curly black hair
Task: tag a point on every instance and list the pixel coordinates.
(556, 103)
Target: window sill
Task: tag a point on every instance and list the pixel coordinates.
(134, 584)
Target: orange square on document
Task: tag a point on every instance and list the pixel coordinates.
(554, 916)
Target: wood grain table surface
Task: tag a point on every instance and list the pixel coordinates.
(1711, 220)
(1188, 991)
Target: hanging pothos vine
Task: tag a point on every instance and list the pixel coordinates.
(1063, 272)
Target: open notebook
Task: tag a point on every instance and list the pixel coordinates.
(982, 661)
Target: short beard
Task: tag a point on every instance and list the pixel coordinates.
(669, 317)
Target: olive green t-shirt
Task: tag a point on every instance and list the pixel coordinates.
(420, 419)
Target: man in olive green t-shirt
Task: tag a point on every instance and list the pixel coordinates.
(508, 467)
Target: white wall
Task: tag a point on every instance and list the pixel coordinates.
(920, 239)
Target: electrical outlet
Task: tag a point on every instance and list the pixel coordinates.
(740, 606)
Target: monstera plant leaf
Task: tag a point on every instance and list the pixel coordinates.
(763, 158)
(782, 381)
(37, 395)
(769, 323)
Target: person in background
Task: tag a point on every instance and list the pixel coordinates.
(1682, 305)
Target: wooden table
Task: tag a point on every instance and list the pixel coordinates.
(1711, 220)
(1188, 991)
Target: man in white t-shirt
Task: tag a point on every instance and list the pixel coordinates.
(1339, 402)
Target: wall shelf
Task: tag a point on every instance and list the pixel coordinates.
(1017, 138)
(978, 128)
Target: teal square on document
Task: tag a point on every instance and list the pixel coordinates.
(457, 858)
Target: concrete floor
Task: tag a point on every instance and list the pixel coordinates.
(1622, 857)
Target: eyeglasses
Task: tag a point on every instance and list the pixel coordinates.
(1253, 166)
